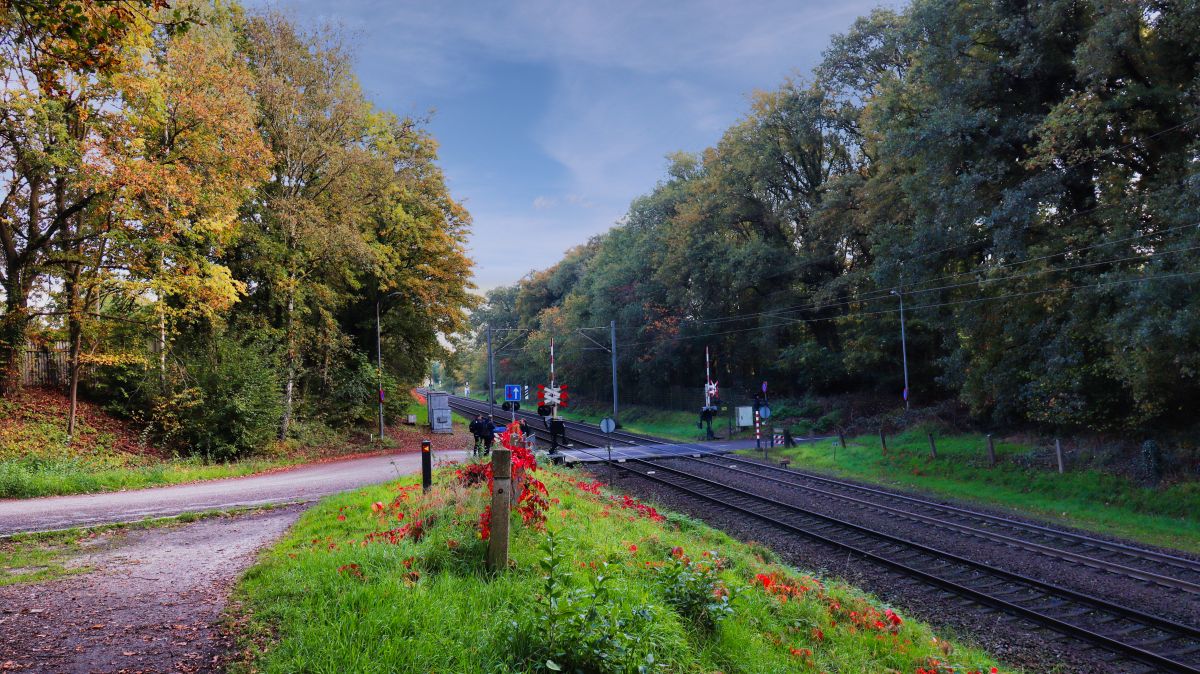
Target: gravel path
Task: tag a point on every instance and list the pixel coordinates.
(1014, 641)
(152, 602)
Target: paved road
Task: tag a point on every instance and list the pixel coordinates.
(299, 484)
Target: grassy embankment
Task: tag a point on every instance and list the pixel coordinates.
(107, 453)
(1086, 499)
(615, 587)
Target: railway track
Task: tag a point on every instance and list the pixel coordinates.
(1148, 566)
(1156, 642)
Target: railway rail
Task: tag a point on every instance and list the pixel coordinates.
(1156, 642)
(1148, 566)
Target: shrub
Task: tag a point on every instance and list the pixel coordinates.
(229, 405)
(693, 588)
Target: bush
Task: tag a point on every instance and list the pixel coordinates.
(227, 404)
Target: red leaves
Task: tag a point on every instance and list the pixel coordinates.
(485, 523)
(377, 506)
(352, 570)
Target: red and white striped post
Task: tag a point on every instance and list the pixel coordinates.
(757, 430)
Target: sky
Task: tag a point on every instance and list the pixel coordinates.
(552, 116)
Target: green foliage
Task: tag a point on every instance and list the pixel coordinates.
(232, 178)
(228, 404)
(694, 589)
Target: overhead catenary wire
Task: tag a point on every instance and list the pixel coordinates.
(916, 289)
(786, 321)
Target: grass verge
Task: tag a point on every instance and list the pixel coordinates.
(387, 579)
(1084, 499)
(37, 459)
(666, 424)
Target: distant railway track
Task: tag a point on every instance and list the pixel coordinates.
(1156, 642)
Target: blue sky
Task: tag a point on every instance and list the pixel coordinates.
(553, 115)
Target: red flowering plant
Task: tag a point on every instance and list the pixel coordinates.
(532, 503)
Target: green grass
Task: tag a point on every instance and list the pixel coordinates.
(32, 477)
(1086, 499)
(611, 590)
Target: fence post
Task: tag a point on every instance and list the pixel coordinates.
(882, 440)
(991, 452)
(1058, 454)
(842, 438)
(932, 447)
(497, 555)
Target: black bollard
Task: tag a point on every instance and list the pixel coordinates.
(426, 465)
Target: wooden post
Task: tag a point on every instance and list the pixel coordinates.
(1058, 453)
(932, 447)
(991, 452)
(497, 555)
(842, 438)
(882, 440)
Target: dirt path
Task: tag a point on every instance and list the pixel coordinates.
(151, 604)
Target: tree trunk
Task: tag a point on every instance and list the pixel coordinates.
(12, 338)
(290, 387)
(75, 335)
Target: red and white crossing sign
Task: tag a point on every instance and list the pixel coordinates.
(710, 390)
(552, 395)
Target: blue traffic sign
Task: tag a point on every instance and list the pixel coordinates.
(512, 392)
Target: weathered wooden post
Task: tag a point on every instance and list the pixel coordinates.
(991, 452)
(882, 440)
(842, 438)
(497, 556)
(932, 447)
(1059, 455)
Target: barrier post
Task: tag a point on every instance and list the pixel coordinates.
(497, 555)
(991, 452)
(426, 465)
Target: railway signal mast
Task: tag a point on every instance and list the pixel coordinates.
(711, 397)
(550, 398)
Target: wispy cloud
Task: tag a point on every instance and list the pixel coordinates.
(627, 82)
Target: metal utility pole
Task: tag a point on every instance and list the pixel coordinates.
(612, 326)
(491, 372)
(707, 380)
(903, 345)
(379, 363)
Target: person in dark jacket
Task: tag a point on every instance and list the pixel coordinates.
(489, 434)
(476, 428)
